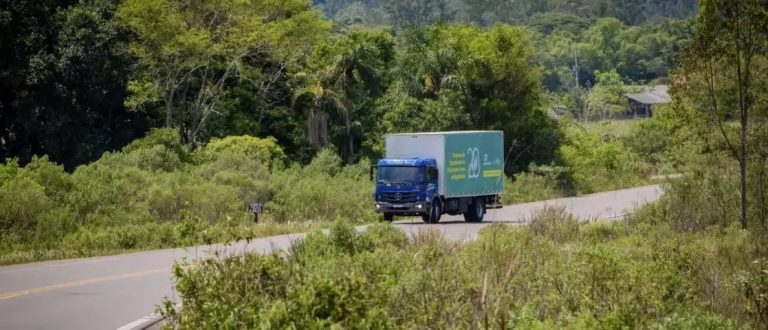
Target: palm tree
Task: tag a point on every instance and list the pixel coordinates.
(337, 91)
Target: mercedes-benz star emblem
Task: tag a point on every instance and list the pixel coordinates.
(398, 196)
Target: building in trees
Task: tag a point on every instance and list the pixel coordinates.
(641, 104)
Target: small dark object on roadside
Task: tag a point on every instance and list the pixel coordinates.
(255, 208)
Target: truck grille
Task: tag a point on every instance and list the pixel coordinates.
(398, 197)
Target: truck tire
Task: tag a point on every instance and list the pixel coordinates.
(469, 216)
(476, 211)
(434, 213)
(388, 217)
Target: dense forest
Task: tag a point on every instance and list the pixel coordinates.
(83, 77)
(536, 13)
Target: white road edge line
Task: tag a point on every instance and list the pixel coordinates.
(146, 321)
(142, 322)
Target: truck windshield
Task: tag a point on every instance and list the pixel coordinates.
(401, 174)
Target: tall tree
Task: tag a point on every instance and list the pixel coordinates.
(726, 64)
(349, 74)
(191, 53)
(462, 77)
(607, 94)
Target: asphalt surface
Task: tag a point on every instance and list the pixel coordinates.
(110, 292)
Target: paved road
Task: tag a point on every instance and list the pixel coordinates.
(109, 292)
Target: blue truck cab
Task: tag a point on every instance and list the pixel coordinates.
(405, 186)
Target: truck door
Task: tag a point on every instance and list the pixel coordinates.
(431, 189)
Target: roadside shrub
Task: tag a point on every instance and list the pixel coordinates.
(54, 180)
(652, 138)
(9, 170)
(696, 320)
(695, 202)
(599, 163)
(313, 193)
(169, 138)
(105, 186)
(554, 223)
(644, 277)
(326, 162)
(92, 239)
(753, 283)
(600, 231)
(341, 239)
(155, 158)
(173, 192)
(247, 188)
(539, 183)
(265, 151)
(230, 162)
(54, 224)
(382, 235)
(22, 201)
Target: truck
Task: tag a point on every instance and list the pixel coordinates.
(436, 173)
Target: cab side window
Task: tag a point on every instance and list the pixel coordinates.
(431, 174)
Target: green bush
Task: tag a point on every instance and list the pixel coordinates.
(320, 191)
(381, 235)
(176, 191)
(9, 170)
(53, 225)
(56, 182)
(326, 162)
(600, 232)
(642, 277)
(22, 201)
(155, 158)
(156, 184)
(555, 224)
(539, 183)
(700, 320)
(265, 151)
(599, 162)
(169, 138)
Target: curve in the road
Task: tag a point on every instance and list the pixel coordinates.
(108, 292)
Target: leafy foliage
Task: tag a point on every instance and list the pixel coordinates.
(156, 193)
(63, 77)
(192, 54)
(490, 12)
(557, 274)
(461, 77)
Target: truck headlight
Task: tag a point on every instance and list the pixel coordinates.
(378, 206)
(418, 206)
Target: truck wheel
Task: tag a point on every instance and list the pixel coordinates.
(476, 211)
(479, 209)
(469, 216)
(434, 212)
(388, 217)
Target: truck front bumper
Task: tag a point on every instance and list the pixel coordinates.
(415, 208)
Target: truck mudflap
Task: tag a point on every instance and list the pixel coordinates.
(494, 202)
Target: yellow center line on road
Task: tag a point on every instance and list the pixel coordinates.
(21, 293)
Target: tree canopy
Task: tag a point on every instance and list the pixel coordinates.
(89, 76)
(63, 79)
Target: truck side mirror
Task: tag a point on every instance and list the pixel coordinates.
(372, 167)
